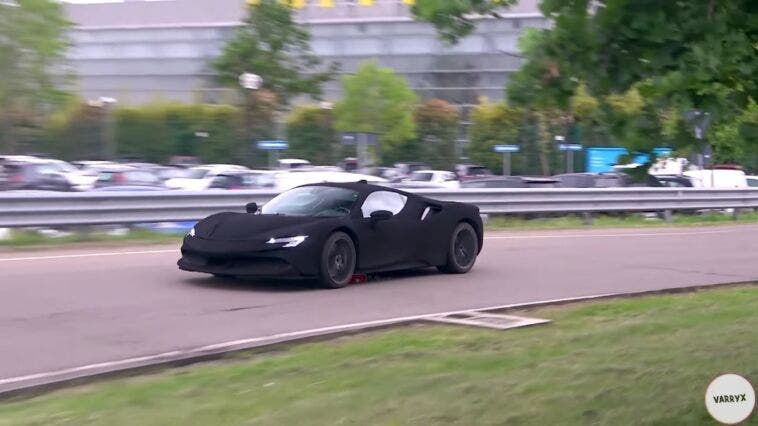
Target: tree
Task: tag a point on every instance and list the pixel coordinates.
(32, 47)
(455, 19)
(311, 134)
(492, 124)
(272, 45)
(377, 100)
(678, 56)
(437, 125)
(75, 131)
(736, 141)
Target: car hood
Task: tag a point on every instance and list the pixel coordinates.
(246, 226)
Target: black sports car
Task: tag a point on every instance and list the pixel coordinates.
(331, 231)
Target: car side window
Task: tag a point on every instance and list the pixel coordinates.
(383, 200)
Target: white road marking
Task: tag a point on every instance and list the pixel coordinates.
(503, 237)
(649, 234)
(81, 255)
(218, 348)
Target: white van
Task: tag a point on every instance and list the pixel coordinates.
(717, 178)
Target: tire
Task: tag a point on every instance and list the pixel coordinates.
(462, 250)
(337, 261)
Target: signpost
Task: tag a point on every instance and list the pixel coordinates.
(361, 140)
(569, 149)
(273, 148)
(506, 150)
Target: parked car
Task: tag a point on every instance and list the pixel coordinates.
(495, 182)
(718, 178)
(612, 180)
(575, 180)
(288, 180)
(752, 181)
(46, 174)
(200, 178)
(242, 180)
(673, 181)
(472, 171)
(540, 182)
(50, 175)
(431, 179)
(128, 188)
(406, 169)
(127, 176)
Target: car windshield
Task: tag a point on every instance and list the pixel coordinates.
(318, 201)
(196, 173)
(421, 177)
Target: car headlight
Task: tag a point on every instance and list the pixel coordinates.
(191, 232)
(288, 241)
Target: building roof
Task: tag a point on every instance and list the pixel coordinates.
(169, 13)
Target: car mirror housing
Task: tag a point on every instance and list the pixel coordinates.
(251, 207)
(380, 215)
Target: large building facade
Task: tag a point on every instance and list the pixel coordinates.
(138, 51)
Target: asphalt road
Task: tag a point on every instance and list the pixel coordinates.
(62, 309)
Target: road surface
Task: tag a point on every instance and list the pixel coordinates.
(69, 308)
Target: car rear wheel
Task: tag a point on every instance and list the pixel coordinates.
(337, 261)
(462, 251)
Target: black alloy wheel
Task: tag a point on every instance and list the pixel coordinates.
(463, 249)
(337, 261)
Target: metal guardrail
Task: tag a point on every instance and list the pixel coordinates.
(60, 209)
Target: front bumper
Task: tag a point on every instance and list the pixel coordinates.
(246, 258)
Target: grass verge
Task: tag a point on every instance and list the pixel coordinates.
(635, 361)
(27, 239)
(619, 221)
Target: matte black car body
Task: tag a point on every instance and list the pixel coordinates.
(236, 243)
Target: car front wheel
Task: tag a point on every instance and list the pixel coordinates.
(462, 251)
(337, 261)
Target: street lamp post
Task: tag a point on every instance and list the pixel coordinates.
(249, 82)
(701, 121)
(569, 154)
(107, 132)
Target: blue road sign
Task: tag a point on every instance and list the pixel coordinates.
(505, 148)
(354, 138)
(569, 147)
(273, 145)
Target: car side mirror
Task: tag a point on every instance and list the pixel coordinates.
(251, 207)
(380, 215)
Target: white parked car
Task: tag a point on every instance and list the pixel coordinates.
(78, 180)
(717, 178)
(431, 179)
(286, 181)
(200, 178)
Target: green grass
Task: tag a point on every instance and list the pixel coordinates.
(620, 221)
(32, 239)
(629, 361)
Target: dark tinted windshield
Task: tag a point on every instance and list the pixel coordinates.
(319, 201)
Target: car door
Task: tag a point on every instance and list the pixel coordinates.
(389, 243)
